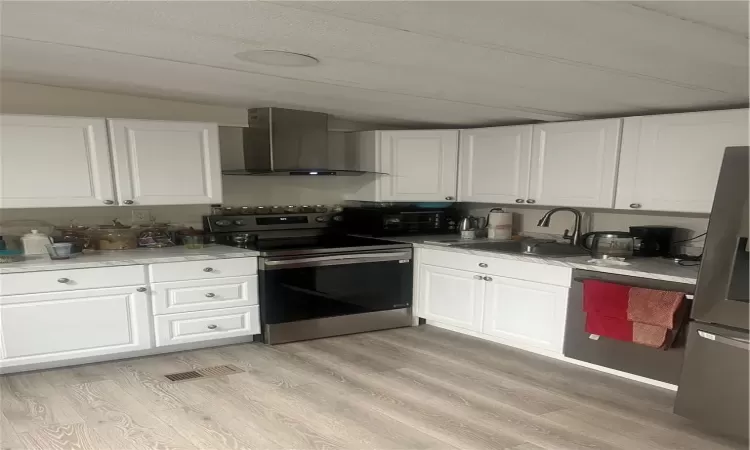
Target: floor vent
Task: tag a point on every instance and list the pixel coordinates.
(206, 372)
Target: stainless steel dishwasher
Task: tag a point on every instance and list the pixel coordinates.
(662, 365)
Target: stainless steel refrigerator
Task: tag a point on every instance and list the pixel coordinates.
(713, 387)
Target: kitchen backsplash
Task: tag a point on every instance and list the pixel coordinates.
(525, 220)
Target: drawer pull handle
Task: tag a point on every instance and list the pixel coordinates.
(635, 205)
(63, 280)
(141, 289)
(208, 269)
(210, 294)
(477, 277)
(212, 327)
(482, 264)
(487, 278)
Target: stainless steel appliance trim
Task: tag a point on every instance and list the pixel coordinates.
(340, 250)
(336, 326)
(743, 344)
(333, 260)
(725, 226)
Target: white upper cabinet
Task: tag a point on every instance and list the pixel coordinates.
(54, 161)
(421, 165)
(575, 163)
(165, 163)
(494, 164)
(413, 165)
(671, 162)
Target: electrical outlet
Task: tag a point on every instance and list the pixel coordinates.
(141, 215)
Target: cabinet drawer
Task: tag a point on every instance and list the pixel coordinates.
(199, 326)
(71, 279)
(37, 328)
(201, 295)
(511, 268)
(210, 268)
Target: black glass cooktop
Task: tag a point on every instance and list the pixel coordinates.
(320, 244)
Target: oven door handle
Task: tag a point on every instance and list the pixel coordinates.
(334, 260)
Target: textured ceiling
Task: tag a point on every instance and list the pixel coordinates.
(417, 63)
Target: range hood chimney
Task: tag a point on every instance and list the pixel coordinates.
(289, 142)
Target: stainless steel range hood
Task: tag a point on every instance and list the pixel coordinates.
(289, 142)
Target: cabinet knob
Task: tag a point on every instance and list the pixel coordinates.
(449, 198)
(477, 277)
(108, 202)
(519, 200)
(212, 327)
(210, 294)
(531, 201)
(63, 280)
(482, 264)
(141, 289)
(487, 278)
(128, 202)
(208, 269)
(635, 205)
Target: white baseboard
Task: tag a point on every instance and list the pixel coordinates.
(558, 356)
(126, 355)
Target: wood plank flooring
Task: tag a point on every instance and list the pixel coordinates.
(412, 388)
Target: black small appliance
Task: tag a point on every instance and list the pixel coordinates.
(400, 220)
(652, 240)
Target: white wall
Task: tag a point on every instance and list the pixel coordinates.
(27, 98)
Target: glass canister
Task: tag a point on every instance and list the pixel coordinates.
(77, 235)
(114, 237)
(156, 235)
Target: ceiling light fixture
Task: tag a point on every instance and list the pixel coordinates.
(277, 58)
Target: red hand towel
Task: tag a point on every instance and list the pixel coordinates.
(605, 299)
(610, 327)
(654, 307)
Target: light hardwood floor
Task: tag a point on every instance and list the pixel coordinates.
(412, 388)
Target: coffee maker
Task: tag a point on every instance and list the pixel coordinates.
(652, 240)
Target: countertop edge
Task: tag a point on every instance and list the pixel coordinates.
(565, 262)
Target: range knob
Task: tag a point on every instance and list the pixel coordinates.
(321, 219)
(320, 209)
(239, 222)
(338, 218)
(223, 223)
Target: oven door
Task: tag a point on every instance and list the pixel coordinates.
(306, 287)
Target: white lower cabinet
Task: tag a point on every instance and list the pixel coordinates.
(450, 296)
(172, 329)
(525, 312)
(55, 326)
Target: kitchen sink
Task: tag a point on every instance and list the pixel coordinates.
(527, 247)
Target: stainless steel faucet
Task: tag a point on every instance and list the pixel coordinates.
(573, 238)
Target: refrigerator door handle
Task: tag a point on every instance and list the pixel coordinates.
(734, 342)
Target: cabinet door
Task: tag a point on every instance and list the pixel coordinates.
(54, 162)
(671, 162)
(453, 297)
(421, 165)
(575, 163)
(494, 164)
(39, 328)
(166, 163)
(525, 313)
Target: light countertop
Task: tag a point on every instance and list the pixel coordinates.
(654, 268)
(127, 258)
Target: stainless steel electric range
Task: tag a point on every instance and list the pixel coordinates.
(315, 280)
